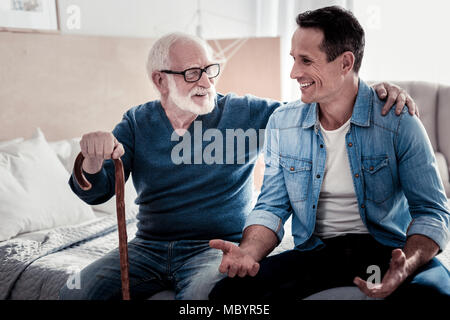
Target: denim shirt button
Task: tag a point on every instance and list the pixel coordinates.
(363, 206)
(318, 176)
(321, 146)
(357, 175)
(350, 144)
(292, 168)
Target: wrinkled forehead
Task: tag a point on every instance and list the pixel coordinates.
(187, 53)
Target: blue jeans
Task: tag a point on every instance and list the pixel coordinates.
(189, 267)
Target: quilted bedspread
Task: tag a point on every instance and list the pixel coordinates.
(34, 270)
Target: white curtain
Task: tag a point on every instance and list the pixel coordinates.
(405, 40)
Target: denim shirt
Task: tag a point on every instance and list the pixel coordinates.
(392, 163)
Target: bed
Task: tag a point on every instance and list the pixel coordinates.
(47, 235)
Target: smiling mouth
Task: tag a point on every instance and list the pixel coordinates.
(200, 95)
(304, 85)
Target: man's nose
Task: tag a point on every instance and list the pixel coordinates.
(296, 72)
(204, 81)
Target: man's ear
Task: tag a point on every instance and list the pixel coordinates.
(160, 82)
(348, 60)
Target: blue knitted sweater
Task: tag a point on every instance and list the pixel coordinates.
(197, 186)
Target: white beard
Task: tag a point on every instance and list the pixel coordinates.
(187, 104)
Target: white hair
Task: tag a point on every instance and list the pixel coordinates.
(159, 58)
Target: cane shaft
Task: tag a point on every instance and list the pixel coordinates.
(122, 228)
(120, 207)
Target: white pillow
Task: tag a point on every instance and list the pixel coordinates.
(7, 142)
(34, 193)
(67, 151)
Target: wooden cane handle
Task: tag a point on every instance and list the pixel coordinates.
(120, 207)
(78, 171)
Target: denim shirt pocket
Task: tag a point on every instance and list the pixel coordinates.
(378, 181)
(297, 174)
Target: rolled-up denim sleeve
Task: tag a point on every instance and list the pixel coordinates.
(421, 182)
(273, 207)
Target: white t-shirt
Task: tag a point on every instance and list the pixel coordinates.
(337, 209)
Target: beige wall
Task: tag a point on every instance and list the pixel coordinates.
(68, 85)
(254, 69)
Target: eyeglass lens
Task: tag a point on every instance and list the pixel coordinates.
(195, 74)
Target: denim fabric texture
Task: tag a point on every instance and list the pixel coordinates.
(394, 171)
(190, 267)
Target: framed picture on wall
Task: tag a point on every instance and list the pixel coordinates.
(28, 14)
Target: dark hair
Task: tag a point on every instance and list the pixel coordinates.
(342, 32)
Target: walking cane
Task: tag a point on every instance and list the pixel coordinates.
(120, 207)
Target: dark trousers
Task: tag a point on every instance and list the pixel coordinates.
(297, 274)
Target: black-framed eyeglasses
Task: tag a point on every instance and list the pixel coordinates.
(194, 74)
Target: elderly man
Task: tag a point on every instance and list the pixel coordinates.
(184, 199)
(363, 190)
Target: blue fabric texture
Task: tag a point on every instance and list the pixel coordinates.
(205, 196)
(395, 176)
(190, 267)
